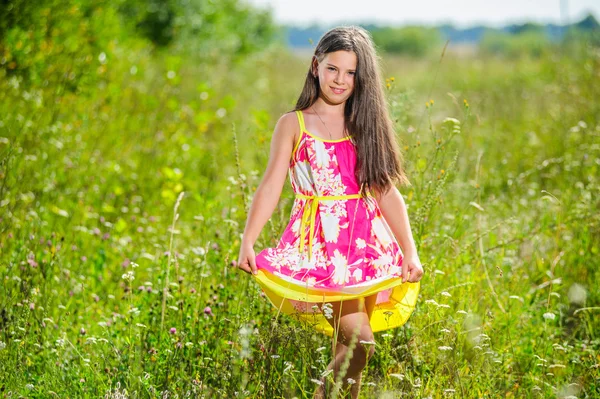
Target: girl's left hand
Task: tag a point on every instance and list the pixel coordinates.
(411, 264)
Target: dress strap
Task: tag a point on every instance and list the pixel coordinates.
(301, 121)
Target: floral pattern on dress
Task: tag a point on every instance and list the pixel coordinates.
(352, 243)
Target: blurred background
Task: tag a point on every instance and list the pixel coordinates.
(134, 133)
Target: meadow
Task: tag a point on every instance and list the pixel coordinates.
(122, 202)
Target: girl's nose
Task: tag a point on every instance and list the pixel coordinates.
(338, 78)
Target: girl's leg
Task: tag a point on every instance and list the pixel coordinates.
(370, 306)
(351, 321)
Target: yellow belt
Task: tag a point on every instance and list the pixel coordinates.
(310, 212)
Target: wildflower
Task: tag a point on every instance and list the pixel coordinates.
(363, 342)
(128, 276)
(392, 79)
(432, 301)
(208, 311)
(445, 348)
(173, 330)
(82, 331)
(351, 381)
(328, 310)
(549, 316)
(2, 345)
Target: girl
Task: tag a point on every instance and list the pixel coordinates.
(338, 264)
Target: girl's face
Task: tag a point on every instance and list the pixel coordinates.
(336, 76)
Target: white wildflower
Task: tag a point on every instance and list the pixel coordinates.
(327, 310)
(549, 316)
(128, 276)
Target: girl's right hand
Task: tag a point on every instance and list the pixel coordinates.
(247, 259)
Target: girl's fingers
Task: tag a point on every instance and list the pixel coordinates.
(404, 271)
(252, 261)
(244, 266)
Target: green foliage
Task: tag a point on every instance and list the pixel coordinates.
(63, 44)
(411, 40)
(229, 27)
(68, 44)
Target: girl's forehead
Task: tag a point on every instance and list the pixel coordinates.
(341, 58)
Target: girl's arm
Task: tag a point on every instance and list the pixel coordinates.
(393, 209)
(269, 190)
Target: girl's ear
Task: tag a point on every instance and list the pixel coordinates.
(315, 66)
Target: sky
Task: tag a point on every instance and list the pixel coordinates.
(461, 13)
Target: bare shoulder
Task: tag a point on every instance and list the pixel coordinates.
(287, 128)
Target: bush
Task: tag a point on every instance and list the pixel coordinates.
(412, 40)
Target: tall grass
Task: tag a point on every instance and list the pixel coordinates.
(504, 165)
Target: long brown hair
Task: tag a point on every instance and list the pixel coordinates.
(366, 116)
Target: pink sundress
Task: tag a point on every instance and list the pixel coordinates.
(337, 245)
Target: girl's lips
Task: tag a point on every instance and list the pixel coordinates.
(337, 91)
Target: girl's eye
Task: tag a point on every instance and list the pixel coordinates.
(331, 68)
(352, 73)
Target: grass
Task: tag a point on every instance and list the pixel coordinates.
(116, 284)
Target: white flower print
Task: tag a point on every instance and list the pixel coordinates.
(331, 227)
(340, 274)
(380, 231)
(383, 261)
(303, 174)
(357, 274)
(305, 264)
(386, 266)
(360, 243)
(321, 154)
(296, 226)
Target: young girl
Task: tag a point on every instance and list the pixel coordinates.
(338, 264)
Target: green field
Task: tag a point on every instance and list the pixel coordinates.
(126, 170)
